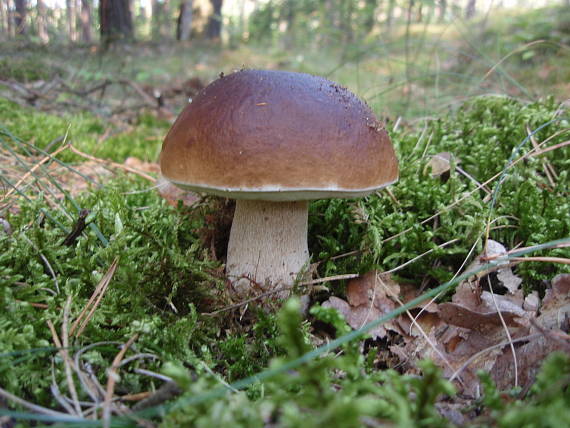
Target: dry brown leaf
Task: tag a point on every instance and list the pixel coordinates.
(368, 298)
(460, 316)
(471, 336)
(552, 325)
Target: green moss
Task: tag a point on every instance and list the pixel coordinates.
(483, 136)
(26, 69)
(166, 280)
(84, 131)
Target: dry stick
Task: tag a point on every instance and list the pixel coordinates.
(112, 379)
(33, 407)
(88, 380)
(113, 164)
(330, 278)
(549, 149)
(54, 388)
(496, 256)
(540, 259)
(66, 359)
(94, 300)
(58, 345)
(507, 332)
(548, 168)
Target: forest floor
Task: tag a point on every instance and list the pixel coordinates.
(441, 301)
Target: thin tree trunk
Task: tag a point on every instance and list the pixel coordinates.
(184, 24)
(42, 22)
(70, 15)
(3, 22)
(215, 20)
(442, 10)
(86, 21)
(390, 15)
(156, 19)
(9, 20)
(20, 17)
(116, 22)
(470, 9)
(370, 18)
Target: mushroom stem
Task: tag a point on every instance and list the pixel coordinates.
(268, 246)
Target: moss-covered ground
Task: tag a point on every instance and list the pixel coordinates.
(168, 290)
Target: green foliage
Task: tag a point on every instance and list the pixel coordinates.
(25, 69)
(483, 136)
(547, 25)
(161, 266)
(319, 393)
(48, 131)
(547, 404)
(165, 279)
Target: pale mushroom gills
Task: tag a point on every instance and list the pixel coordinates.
(274, 140)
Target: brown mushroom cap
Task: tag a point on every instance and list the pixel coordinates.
(276, 135)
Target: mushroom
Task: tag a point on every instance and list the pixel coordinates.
(274, 140)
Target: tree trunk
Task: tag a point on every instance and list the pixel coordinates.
(160, 14)
(442, 10)
(184, 24)
(86, 21)
(4, 26)
(215, 20)
(470, 9)
(370, 15)
(20, 17)
(42, 22)
(115, 21)
(71, 15)
(390, 15)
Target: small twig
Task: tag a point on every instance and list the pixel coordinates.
(330, 278)
(112, 379)
(540, 259)
(35, 407)
(88, 380)
(57, 393)
(166, 392)
(94, 300)
(549, 149)
(547, 166)
(113, 164)
(153, 374)
(507, 332)
(67, 361)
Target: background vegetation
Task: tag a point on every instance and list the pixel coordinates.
(86, 96)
